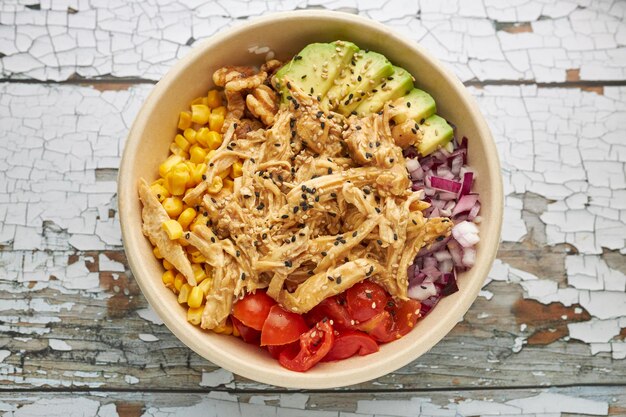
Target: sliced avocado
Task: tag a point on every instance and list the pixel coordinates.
(437, 132)
(365, 70)
(416, 105)
(396, 85)
(315, 68)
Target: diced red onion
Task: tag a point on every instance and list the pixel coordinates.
(423, 291)
(469, 257)
(474, 212)
(446, 266)
(468, 178)
(456, 252)
(456, 164)
(466, 233)
(442, 255)
(445, 184)
(465, 204)
(412, 165)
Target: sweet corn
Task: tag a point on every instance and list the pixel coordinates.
(190, 135)
(200, 219)
(198, 258)
(184, 120)
(157, 253)
(173, 229)
(167, 265)
(183, 294)
(226, 328)
(214, 99)
(173, 206)
(179, 281)
(197, 173)
(214, 140)
(201, 136)
(229, 184)
(209, 156)
(206, 285)
(220, 110)
(200, 113)
(196, 297)
(235, 331)
(194, 315)
(159, 191)
(168, 278)
(186, 217)
(168, 164)
(182, 142)
(199, 100)
(197, 154)
(177, 150)
(177, 181)
(216, 185)
(198, 272)
(215, 122)
(237, 170)
(224, 173)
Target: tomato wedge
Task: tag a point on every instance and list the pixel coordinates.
(274, 350)
(248, 334)
(333, 309)
(365, 300)
(380, 327)
(314, 345)
(282, 327)
(253, 309)
(405, 314)
(349, 343)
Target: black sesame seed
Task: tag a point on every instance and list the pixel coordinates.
(330, 171)
(284, 216)
(338, 280)
(324, 253)
(422, 121)
(408, 104)
(264, 236)
(243, 276)
(260, 206)
(354, 233)
(336, 243)
(238, 254)
(212, 239)
(293, 238)
(395, 236)
(358, 127)
(295, 209)
(288, 264)
(366, 191)
(440, 238)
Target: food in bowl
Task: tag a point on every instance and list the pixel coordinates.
(323, 210)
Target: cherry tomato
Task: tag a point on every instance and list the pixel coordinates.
(365, 300)
(274, 350)
(334, 309)
(380, 327)
(349, 343)
(248, 334)
(252, 310)
(314, 345)
(405, 314)
(282, 327)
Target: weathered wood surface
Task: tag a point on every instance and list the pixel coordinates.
(551, 79)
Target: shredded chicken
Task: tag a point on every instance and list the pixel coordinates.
(324, 202)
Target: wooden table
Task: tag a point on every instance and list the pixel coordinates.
(546, 336)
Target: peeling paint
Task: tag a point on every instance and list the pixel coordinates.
(216, 378)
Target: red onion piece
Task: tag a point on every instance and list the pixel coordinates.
(465, 203)
(444, 184)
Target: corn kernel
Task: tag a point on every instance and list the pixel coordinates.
(183, 294)
(197, 173)
(216, 185)
(214, 140)
(186, 217)
(167, 265)
(173, 229)
(198, 272)
(190, 135)
(159, 191)
(177, 182)
(194, 315)
(229, 184)
(215, 122)
(173, 206)
(224, 173)
(214, 99)
(197, 154)
(237, 170)
(206, 285)
(198, 100)
(201, 136)
(200, 114)
(179, 281)
(220, 110)
(200, 219)
(168, 278)
(182, 142)
(198, 258)
(226, 328)
(184, 120)
(210, 156)
(196, 297)
(168, 164)
(235, 331)
(177, 150)
(157, 253)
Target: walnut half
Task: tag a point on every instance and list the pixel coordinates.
(263, 103)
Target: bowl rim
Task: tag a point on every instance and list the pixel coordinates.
(288, 379)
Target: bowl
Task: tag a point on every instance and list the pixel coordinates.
(285, 34)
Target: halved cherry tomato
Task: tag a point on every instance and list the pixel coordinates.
(248, 334)
(365, 300)
(314, 345)
(333, 309)
(380, 327)
(405, 314)
(274, 350)
(252, 310)
(282, 327)
(349, 343)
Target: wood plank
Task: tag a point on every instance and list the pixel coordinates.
(580, 401)
(512, 41)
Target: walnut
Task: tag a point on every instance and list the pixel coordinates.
(271, 66)
(226, 74)
(263, 103)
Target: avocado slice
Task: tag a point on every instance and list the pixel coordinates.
(437, 132)
(364, 71)
(416, 105)
(315, 68)
(398, 84)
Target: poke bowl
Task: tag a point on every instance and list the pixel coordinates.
(267, 177)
